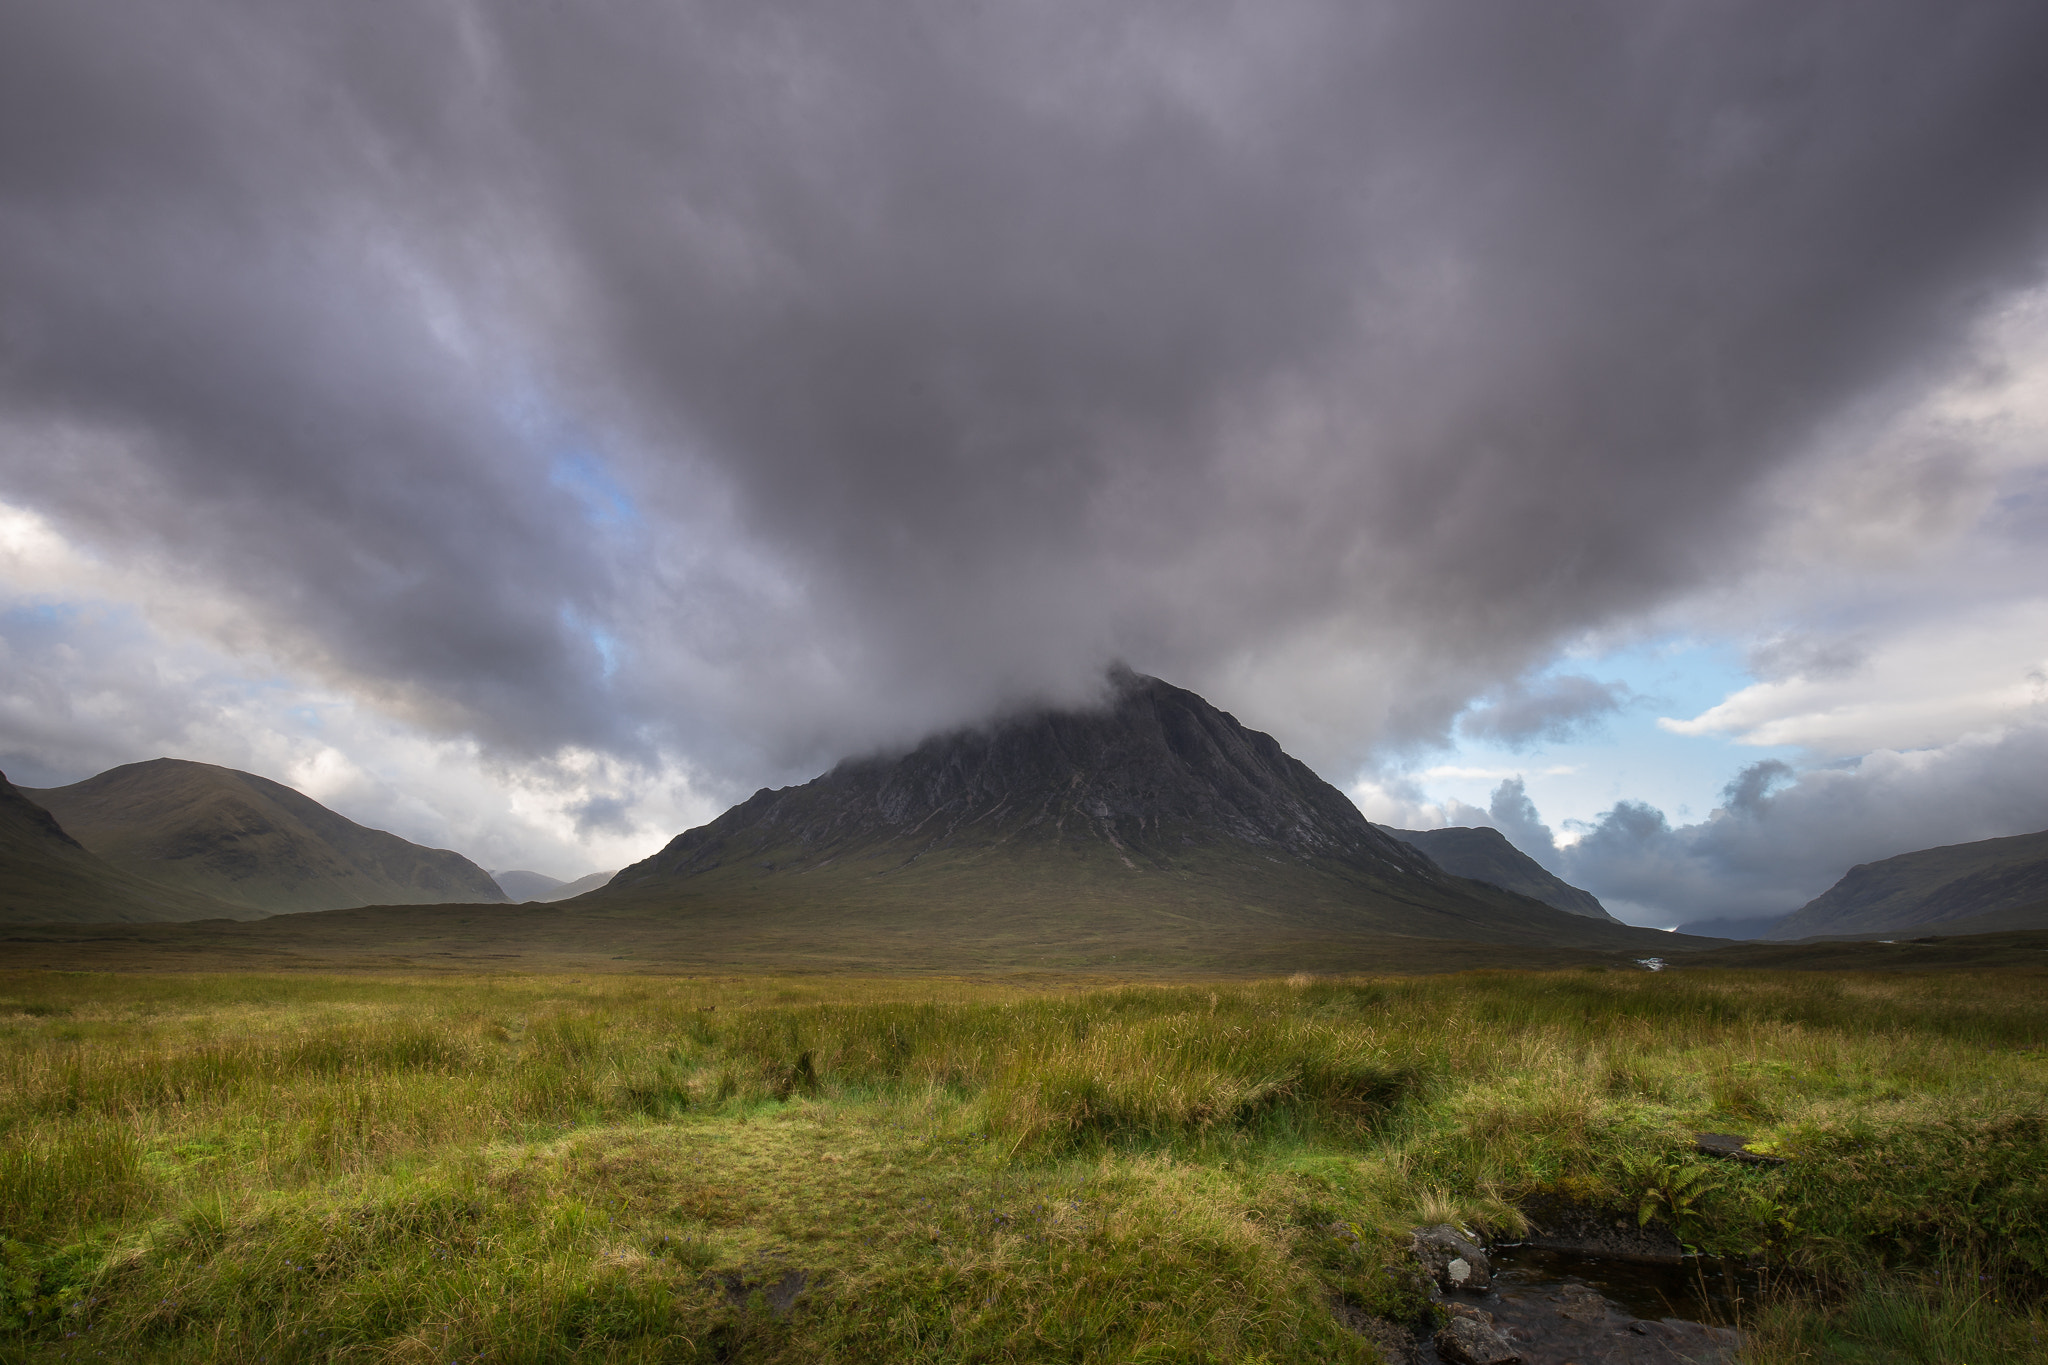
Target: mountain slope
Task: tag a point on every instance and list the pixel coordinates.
(2011, 919)
(46, 876)
(252, 842)
(571, 890)
(539, 886)
(1155, 825)
(1485, 855)
(1923, 890)
(520, 885)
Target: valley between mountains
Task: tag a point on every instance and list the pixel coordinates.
(1152, 834)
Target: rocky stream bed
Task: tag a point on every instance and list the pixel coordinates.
(1605, 1297)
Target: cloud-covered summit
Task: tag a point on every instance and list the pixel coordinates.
(719, 389)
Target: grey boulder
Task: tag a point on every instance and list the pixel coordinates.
(1470, 1338)
(1452, 1259)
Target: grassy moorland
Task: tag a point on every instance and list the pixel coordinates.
(619, 1168)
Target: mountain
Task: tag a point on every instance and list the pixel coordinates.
(539, 886)
(1485, 855)
(46, 876)
(1927, 890)
(251, 842)
(1154, 826)
(525, 886)
(571, 890)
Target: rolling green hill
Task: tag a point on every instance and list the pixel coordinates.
(1926, 890)
(251, 842)
(1485, 855)
(47, 877)
(1155, 829)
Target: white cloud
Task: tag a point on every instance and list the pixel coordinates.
(1453, 771)
(1926, 683)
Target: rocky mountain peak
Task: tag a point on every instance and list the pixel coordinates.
(1153, 771)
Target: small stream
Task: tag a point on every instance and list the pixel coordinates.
(1567, 1308)
(1709, 1289)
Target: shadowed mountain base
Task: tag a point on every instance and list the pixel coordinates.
(732, 939)
(739, 938)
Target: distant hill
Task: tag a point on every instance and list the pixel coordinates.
(46, 876)
(1485, 855)
(581, 886)
(1925, 891)
(525, 886)
(251, 842)
(539, 886)
(1154, 829)
(1740, 927)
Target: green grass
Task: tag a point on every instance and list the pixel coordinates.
(548, 1168)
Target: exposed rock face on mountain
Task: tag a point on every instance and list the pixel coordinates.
(1928, 889)
(1156, 817)
(252, 842)
(46, 877)
(1485, 855)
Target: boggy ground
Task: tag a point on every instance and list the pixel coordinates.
(613, 1168)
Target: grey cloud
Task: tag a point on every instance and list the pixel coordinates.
(1515, 816)
(1558, 708)
(1749, 793)
(1800, 657)
(603, 813)
(940, 356)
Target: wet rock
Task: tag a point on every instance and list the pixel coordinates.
(1558, 1224)
(1735, 1148)
(1452, 1258)
(1573, 1324)
(1582, 1303)
(1470, 1338)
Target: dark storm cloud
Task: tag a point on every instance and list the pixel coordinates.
(925, 358)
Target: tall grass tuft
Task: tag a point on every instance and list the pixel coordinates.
(70, 1176)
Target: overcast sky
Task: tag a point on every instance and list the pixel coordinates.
(531, 426)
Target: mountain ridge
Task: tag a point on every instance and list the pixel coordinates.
(1483, 854)
(1927, 888)
(248, 841)
(47, 877)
